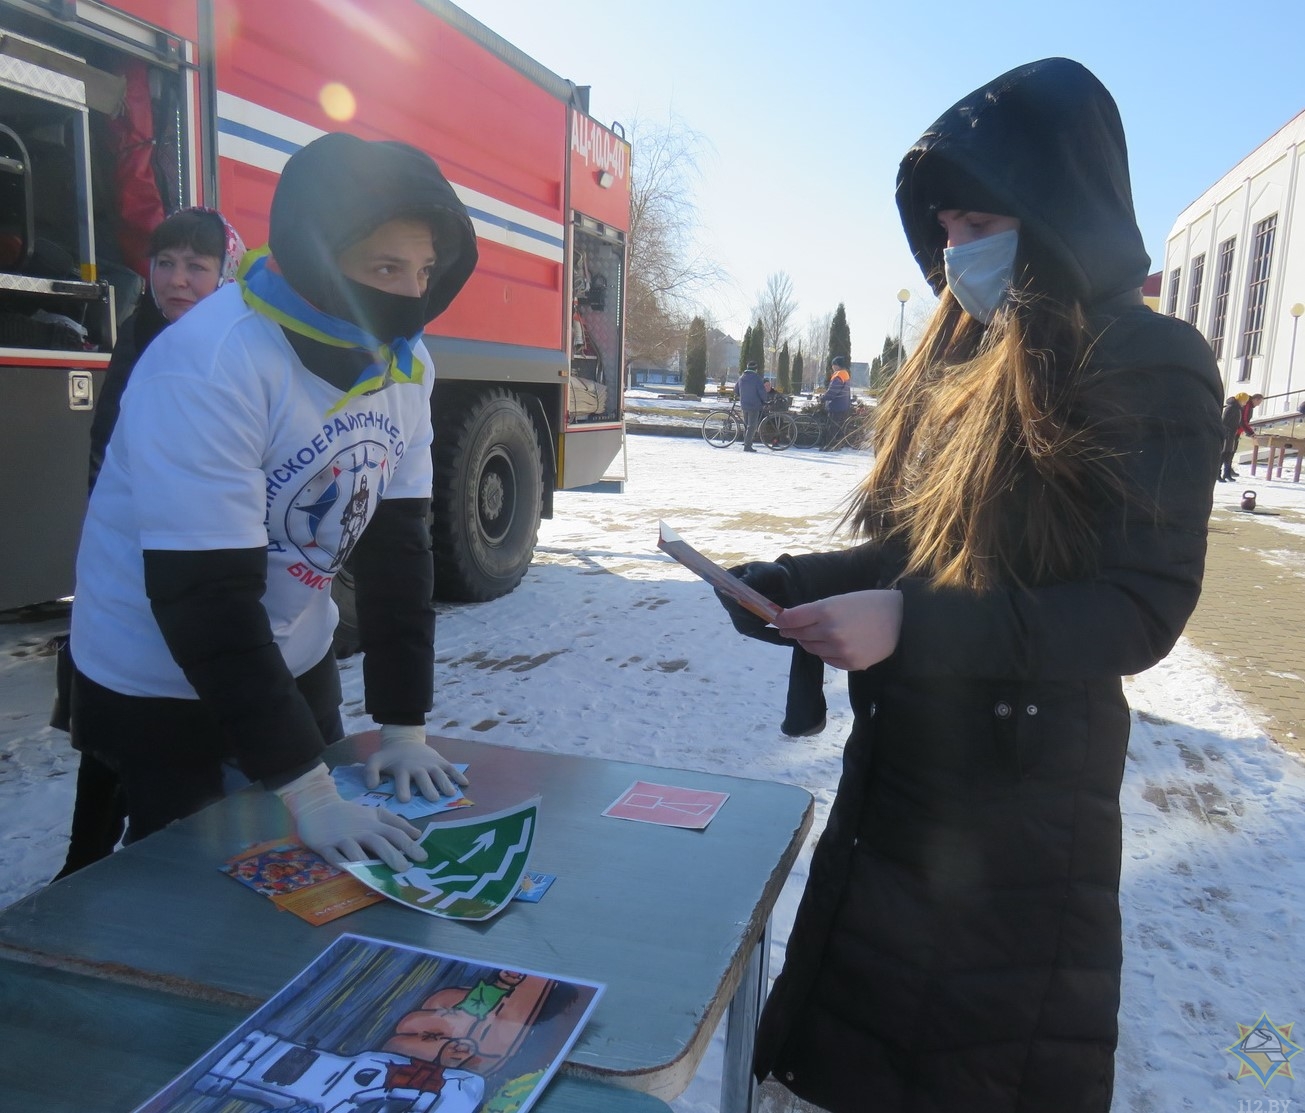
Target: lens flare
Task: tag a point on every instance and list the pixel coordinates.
(337, 101)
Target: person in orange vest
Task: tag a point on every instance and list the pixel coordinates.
(838, 402)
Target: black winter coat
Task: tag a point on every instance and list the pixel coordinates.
(958, 944)
(138, 330)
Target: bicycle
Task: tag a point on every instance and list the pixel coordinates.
(777, 430)
(814, 429)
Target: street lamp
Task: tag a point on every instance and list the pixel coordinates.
(903, 296)
(1296, 311)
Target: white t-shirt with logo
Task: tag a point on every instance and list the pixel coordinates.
(225, 442)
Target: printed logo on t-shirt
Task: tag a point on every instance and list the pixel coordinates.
(326, 516)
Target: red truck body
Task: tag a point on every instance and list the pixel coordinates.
(528, 358)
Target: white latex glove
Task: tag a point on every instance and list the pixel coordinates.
(405, 755)
(849, 632)
(343, 832)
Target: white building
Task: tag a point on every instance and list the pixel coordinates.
(1235, 268)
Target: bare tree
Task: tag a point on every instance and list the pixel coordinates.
(815, 351)
(666, 268)
(775, 308)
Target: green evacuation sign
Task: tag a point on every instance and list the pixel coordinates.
(472, 867)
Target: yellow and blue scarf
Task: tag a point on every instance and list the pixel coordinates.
(266, 291)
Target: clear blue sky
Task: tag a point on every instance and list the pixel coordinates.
(808, 105)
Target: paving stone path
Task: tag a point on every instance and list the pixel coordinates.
(1251, 617)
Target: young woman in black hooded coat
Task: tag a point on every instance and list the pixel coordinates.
(1035, 524)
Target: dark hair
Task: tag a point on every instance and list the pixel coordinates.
(202, 233)
(752, 365)
(840, 362)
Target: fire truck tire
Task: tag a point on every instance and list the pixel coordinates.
(489, 491)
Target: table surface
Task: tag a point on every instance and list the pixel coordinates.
(664, 917)
(74, 1043)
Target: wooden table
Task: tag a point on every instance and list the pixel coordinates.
(1277, 444)
(673, 921)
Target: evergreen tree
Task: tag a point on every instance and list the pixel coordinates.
(795, 375)
(840, 336)
(745, 349)
(695, 358)
(885, 365)
(757, 353)
(782, 371)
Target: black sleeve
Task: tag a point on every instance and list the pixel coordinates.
(395, 581)
(820, 575)
(209, 608)
(121, 363)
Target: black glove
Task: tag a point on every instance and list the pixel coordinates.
(775, 582)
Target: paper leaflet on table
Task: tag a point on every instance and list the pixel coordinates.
(298, 880)
(472, 868)
(351, 783)
(667, 805)
(371, 1025)
(707, 569)
(533, 886)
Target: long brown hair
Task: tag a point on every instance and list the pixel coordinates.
(985, 466)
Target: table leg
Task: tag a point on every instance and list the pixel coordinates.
(1255, 456)
(738, 1089)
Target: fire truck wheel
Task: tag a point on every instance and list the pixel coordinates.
(489, 491)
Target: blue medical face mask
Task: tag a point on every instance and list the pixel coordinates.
(979, 273)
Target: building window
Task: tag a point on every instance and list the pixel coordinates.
(1194, 294)
(1174, 280)
(1257, 290)
(1222, 284)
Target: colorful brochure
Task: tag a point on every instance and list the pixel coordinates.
(351, 783)
(297, 880)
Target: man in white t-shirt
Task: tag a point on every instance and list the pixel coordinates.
(281, 426)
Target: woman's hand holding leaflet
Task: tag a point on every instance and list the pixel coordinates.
(850, 632)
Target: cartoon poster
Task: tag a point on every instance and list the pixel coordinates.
(673, 545)
(472, 868)
(372, 1026)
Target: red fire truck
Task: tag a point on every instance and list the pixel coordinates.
(114, 115)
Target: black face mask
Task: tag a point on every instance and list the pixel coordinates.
(386, 316)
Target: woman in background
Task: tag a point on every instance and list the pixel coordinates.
(192, 253)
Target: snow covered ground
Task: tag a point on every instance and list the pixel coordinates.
(609, 648)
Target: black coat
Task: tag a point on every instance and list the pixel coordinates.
(958, 944)
(136, 333)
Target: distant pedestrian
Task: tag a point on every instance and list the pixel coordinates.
(1237, 412)
(838, 402)
(752, 401)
